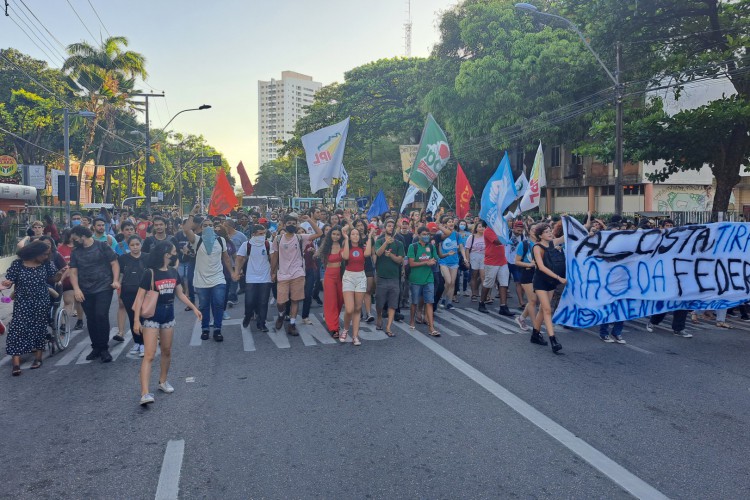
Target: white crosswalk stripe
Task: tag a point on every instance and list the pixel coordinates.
(459, 323)
(489, 319)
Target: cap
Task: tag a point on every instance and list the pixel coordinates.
(518, 224)
(405, 219)
(293, 214)
(432, 226)
(263, 220)
(372, 225)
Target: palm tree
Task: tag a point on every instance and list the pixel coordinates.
(106, 77)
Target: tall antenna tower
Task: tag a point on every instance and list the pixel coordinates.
(407, 30)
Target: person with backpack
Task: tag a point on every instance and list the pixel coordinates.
(210, 284)
(288, 269)
(524, 261)
(422, 257)
(95, 275)
(253, 260)
(312, 276)
(550, 271)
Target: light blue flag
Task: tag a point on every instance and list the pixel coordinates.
(342, 187)
(497, 196)
(379, 206)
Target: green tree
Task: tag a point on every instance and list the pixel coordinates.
(105, 76)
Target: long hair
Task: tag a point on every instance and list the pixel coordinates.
(156, 256)
(325, 248)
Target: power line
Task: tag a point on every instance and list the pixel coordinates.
(99, 18)
(30, 24)
(31, 39)
(79, 18)
(29, 142)
(42, 24)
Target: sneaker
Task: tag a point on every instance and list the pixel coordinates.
(118, 337)
(649, 327)
(166, 387)
(291, 329)
(93, 355)
(370, 318)
(521, 321)
(246, 322)
(467, 293)
(307, 321)
(226, 315)
(745, 317)
(442, 303)
(504, 311)
(607, 339)
(147, 399)
(134, 350)
(483, 308)
(106, 356)
(141, 350)
(449, 306)
(232, 303)
(272, 301)
(78, 325)
(263, 328)
(398, 317)
(204, 335)
(684, 334)
(619, 339)
(218, 337)
(279, 323)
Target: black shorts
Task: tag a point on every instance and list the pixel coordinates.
(542, 282)
(527, 277)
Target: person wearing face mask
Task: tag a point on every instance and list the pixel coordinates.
(210, 285)
(253, 260)
(288, 269)
(94, 274)
(75, 219)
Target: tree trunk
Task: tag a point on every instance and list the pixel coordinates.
(726, 169)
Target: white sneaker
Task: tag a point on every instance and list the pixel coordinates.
(467, 293)
(147, 399)
(166, 387)
(307, 321)
(521, 321)
(135, 350)
(226, 315)
(607, 339)
(141, 350)
(619, 339)
(649, 328)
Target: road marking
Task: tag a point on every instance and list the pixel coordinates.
(442, 328)
(617, 473)
(595, 333)
(72, 352)
(488, 319)
(317, 331)
(456, 321)
(118, 349)
(248, 344)
(169, 478)
(279, 338)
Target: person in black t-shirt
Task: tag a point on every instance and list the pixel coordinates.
(160, 234)
(132, 267)
(162, 277)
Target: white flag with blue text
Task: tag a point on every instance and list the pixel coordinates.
(344, 178)
(435, 199)
(324, 150)
(411, 193)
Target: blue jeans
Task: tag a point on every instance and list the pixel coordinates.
(186, 272)
(232, 292)
(212, 301)
(616, 329)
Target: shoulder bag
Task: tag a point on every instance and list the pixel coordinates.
(148, 306)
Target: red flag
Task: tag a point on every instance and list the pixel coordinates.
(463, 193)
(247, 186)
(223, 199)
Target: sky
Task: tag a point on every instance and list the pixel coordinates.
(214, 53)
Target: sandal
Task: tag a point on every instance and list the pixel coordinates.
(412, 327)
(335, 335)
(16, 370)
(379, 327)
(355, 341)
(420, 321)
(342, 335)
(36, 364)
(721, 324)
(434, 333)
(475, 298)
(389, 333)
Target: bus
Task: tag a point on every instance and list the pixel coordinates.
(262, 203)
(306, 203)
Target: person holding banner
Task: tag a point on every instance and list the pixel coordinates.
(546, 278)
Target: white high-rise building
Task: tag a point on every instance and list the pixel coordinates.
(280, 105)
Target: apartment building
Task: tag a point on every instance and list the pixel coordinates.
(280, 104)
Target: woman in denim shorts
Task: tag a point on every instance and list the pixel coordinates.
(160, 276)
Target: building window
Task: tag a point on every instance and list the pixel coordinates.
(555, 160)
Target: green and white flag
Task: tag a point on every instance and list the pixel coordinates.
(434, 153)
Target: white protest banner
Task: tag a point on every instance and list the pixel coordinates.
(622, 275)
(537, 180)
(522, 185)
(411, 193)
(324, 150)
(344, 179)
(435, 199)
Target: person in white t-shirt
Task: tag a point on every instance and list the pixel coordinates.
(256, 252)
(209, 282)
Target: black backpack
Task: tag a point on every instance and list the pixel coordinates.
(554, 259)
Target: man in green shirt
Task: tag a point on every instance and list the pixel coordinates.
(390, 256)
(422, 257)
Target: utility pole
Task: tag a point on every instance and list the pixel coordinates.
(147, 176)
(619, 192)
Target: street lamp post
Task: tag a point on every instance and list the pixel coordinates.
(619, 95)
(66, 143)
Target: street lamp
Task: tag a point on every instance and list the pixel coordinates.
(619, 91)
(66, 142)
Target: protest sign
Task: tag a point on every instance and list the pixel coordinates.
(622, 275)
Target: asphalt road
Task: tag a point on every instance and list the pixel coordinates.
(477, 413)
